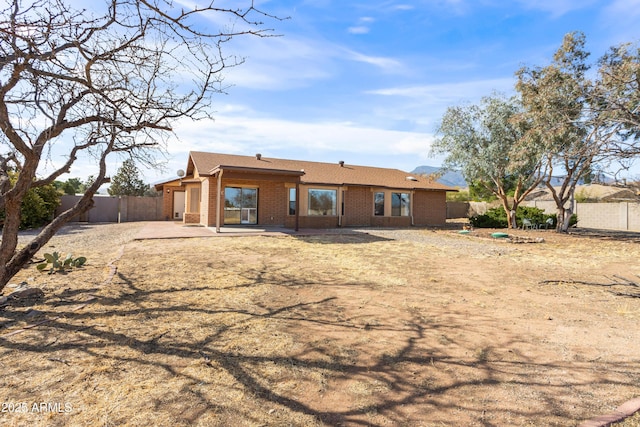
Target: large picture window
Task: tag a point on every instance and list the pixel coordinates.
(322, 202)
(378, 204)
(400, 204)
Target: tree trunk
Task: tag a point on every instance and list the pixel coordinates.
(510, 211)
(12, 265)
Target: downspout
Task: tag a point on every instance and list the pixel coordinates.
(297, 205)
(340, 205)
(219, 186)
(411, 207)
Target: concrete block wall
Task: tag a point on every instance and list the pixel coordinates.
(141, 209)
(609, 216)
(118, 209)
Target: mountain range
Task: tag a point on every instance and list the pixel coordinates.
(455, 179)
(450, 178)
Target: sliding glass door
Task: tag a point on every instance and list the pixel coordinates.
(240, 205)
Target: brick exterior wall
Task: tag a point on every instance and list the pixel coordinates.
(358, 206)
(191, 218)
(272, 203)
(390, 221)
(272, 198)
(167, 200)
(204, 202)
(211, 202)
(318, 221)
(429, 208)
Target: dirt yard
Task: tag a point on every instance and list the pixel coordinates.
(383, 328)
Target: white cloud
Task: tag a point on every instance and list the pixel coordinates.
(358, 30)
(445, 93)
(385, 63)
(556, 8)
(280, 63)
(319, 141)
(362, 28)
(403, 7)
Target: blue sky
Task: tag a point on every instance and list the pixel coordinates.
(367, 81)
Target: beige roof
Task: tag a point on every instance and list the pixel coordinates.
(314, 172)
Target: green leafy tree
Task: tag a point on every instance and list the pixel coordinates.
(486, 144)
(575, 118)
(112, 78)
(127, 182)
(618, 95)
(72, 186)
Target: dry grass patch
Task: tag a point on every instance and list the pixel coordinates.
(389, 328)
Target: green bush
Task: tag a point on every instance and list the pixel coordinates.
(494, 218)
(497, 217)
(38, 206)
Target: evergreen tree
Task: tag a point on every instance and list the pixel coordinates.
(127, 182)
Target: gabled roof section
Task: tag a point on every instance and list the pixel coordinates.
(206, 164)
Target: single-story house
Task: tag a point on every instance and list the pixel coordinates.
(224, 189)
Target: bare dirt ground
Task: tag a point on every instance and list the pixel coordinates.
(384, 328)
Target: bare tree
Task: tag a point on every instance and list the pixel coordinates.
(113, 79)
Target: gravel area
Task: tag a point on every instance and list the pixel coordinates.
(446, 239)
(84, 239)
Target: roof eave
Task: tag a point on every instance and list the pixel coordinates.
(264, 171)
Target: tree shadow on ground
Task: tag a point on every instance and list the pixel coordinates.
(315, 357)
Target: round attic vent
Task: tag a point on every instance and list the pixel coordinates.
(412, 178)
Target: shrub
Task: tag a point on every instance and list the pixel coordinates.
(38, 206)
(497, 217)
(494, 218)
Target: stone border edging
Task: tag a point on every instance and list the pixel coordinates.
(623, 411)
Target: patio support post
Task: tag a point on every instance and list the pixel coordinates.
(218, 195)
(297, 204)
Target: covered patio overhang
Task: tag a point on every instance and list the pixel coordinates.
(260, 173)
